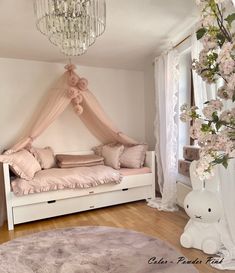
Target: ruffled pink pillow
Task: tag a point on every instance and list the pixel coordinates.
(22, 163)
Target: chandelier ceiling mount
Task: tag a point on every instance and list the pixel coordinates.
(72, 25)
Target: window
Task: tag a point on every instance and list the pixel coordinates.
(185, 96)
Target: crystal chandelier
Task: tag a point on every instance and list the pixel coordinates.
(72, 25)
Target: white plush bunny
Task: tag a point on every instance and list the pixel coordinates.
(204, 209)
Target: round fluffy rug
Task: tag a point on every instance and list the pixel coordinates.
(90, 250)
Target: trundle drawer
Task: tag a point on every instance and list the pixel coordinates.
(53, 208)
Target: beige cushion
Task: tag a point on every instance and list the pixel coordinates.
(22, 164)
(45, 157)
(134, 156)
(112, 154)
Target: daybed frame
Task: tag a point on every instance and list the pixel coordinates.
(54, 203)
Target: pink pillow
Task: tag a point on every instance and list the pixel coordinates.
(45, 157)
(133, 156)
(98, 150)
(22, 164)
(112, 154)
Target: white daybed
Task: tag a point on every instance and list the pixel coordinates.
(43, 205)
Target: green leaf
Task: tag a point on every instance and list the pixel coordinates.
(225, 163)
(230, 19)
(201, 32)
(218, 126)
(221, 39)
(215, 117)
(219, 160)
(205, 128)
(233, 97)
(215, 55)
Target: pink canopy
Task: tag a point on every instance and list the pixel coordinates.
(70, 88)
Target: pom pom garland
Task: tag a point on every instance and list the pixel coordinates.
(73, 80)
(82, 84)
(72, 93)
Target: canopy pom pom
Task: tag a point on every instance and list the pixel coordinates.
(72, 93)
(78, 109)
(70, 67)
(73, 80)
(77, 100)
(82, 84)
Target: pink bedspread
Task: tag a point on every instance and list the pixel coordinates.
(58, 179)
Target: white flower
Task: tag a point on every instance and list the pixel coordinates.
(209, 42)
(203, 56)
(195, 130)
(184, 117)
(208, 111)
(231, 82)
(219, 1)
(226, 116)
(208, 20)
(200, 2)
(225, 93)
(227, 66)
(184, 107)
(216, 104)
(204, 166)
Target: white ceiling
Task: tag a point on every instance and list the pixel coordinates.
(136, 29)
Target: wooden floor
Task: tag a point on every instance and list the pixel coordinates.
(137, 216)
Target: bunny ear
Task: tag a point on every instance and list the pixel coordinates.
(197, 184)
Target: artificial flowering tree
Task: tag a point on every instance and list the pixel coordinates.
(214, 129)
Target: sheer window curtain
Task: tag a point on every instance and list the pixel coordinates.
(166, 128)
(204, 92)
(209, 91)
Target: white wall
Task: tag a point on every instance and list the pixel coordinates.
(24, 84)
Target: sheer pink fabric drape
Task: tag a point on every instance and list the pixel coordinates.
(99, 124)
(55, 105)
(92, 115)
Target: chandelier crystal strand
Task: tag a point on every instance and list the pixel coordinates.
(72, 25)
(101, 17)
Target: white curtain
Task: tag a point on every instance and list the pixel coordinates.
(166, 128)
(227, 223)
(202, 91)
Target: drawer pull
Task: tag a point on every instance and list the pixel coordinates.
(125, 189)
(92, 207)
(90, 192)
(51, 201)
